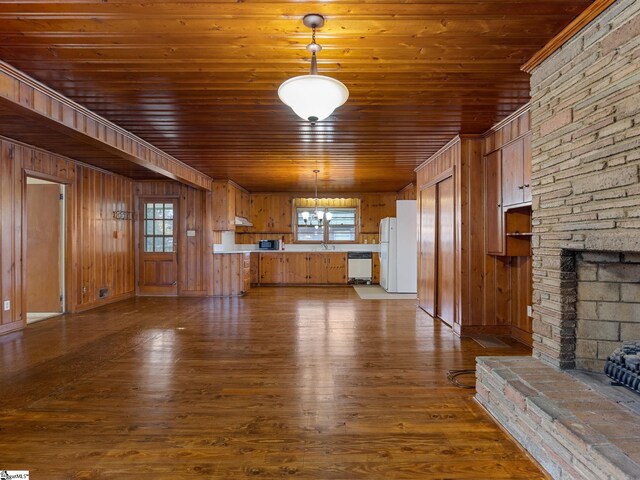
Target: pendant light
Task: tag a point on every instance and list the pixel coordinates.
(319, 214)
(313, 97)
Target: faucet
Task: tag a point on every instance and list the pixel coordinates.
(324, 246)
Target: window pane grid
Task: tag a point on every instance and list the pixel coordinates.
(158, 227)
(341, 228)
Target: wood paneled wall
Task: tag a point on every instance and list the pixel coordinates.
(104, 245)
(97, 256)
(408, 192)
(272, 215)
(491, 293)
(195, 262)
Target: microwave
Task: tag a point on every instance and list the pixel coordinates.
(269, 245)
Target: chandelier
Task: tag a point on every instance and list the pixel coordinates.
(313, 97)
(319, 214)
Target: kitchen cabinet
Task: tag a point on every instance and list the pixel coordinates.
(516, 172)
(493, 202)
(271, 213)
(272, 268)
(327, 268)
(231, 274)
(507, 199)
(296, 268)
(336, 268)
(229, 201)
(299, 268)
(254, 268)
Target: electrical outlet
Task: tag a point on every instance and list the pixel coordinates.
(6, 306)
(529, 311)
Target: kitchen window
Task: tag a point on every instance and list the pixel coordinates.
(341, 228)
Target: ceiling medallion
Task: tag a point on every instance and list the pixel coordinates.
(313, 97)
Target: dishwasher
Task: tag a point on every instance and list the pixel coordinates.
(359, 265)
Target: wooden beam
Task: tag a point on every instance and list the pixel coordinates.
(591, 12)
(34, 100)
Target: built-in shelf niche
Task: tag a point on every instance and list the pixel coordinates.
(517, 223)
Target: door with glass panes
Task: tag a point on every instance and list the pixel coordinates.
(158, 265)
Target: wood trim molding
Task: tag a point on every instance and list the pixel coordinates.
(449, 172)
(591, 12)
(523, 109)
(444, 148)
(34, 99)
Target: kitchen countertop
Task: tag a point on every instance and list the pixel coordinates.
(374, 248)
(234, 251)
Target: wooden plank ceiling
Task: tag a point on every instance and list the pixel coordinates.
(199, 80)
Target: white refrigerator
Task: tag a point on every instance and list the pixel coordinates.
(399, 249)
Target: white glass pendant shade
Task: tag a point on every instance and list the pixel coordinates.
(305, 216)
(313, 97)
(320, 214)
(328, 216)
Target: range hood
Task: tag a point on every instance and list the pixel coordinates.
(243, 222)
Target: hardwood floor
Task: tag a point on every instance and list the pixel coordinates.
(283, 383)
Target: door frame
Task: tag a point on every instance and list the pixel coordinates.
(67, 237)
(139, 200)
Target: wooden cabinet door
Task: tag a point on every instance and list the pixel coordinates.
(295, 267)
(246, 272)
(336, 268)
(493, 204)
(427, 250)
(158, 266)
(255, 268)
(446, 257)
(317, 268)
(272, 268)
(375, 268)
(512, 173)
(526, 167)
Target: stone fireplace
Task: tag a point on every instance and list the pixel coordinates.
(585, 118)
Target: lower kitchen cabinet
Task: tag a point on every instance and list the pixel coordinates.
(231, 274)
(299, 268)
(272, 268)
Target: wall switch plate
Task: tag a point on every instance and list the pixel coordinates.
(191, 233)
(6, 306)
(529, 311)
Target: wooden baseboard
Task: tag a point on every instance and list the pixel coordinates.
(478, 330)
(99, 303)
(195, 293)
(11, 327)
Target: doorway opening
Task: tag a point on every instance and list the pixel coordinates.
(45, 254)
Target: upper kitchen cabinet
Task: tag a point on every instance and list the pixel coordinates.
(507, 174)
(229, 201)
(516, 172)
(271, 213)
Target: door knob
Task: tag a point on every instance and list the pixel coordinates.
(521, 187)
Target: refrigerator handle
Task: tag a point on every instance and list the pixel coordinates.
(380, 232)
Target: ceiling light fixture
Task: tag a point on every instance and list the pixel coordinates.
(319, 214)
(313, 97)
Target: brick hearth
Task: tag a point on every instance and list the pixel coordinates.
(570, 427)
